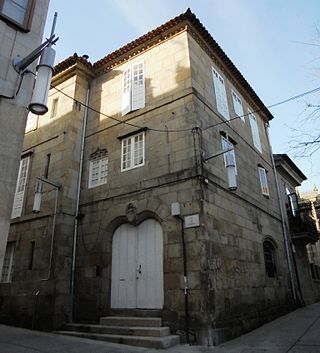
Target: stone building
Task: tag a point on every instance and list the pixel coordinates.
(147, 221)
(21, 29)
(301, 228)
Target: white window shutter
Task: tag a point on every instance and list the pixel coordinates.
(126, 91)
(225, 143)
(221, 95)
(255, 132)
(263, 181)
(20, 188)
(138, 86)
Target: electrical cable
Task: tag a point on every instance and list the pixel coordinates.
(188, 129)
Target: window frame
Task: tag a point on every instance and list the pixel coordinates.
(54, 108)
(237, 101)
(264, 185)
(221, 96)
(28, 17)
(132, 151)
(255, 131)
(270, 264)
(6, 277)
(101, 180)
(225, 143)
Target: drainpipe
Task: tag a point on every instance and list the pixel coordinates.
(185, 280)
(283, 221)
(75, 233)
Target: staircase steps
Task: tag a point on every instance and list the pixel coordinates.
(135, 331)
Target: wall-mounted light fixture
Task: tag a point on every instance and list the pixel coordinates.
(44, 71)
(230, 165)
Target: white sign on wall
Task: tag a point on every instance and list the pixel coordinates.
(191, 221)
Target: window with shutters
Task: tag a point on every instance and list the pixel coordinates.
(20, 188)
(32, 122)
(227, 143)
(263, 181)
(221, 95)
(269, 258)
(255, 131)
(8, 262)
(98, 170)
(132, 152)
(17, 12)
(133, 88)
(237, 104)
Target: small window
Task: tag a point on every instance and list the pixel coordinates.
(263, 181)
(8, 262)
(132, 152)
(32, 122)
(18, 12)
(269, 258)
(237, 104)
(221, 95)
(31, 254)
(255, 132)
(226, 143)
(54, 108)
(98, 171)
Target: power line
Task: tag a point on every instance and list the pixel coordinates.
(188, 129)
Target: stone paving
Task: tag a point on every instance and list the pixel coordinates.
(297, 332)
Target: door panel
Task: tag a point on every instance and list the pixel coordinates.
(135, 248)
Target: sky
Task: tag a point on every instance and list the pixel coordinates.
(274, 44)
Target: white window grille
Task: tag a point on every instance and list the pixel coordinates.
(221, 95)
(263, 181)
(98, 171)
(237, 104)
(133, 88)
(132, 151)
(20, 188)
(255, 132)
(8, 262)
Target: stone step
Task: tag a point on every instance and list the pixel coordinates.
(131, 321)
(136, 312)
(140, 341)
(119, 330)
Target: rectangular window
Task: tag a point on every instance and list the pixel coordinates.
(32, 122)
(54, 108)
(263, 181)
(255, 132)
(20, 188)
(226, 143)
(8, 262)
(18, 12)
(133, 88)
(237, 104)
(221, 95)
(98, 171)
(132, 152)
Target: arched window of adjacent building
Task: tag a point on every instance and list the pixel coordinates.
(269, 251)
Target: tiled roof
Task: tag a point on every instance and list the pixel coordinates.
(70, 61)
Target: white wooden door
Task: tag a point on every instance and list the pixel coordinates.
(137, 266)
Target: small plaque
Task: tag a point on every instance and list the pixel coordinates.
(191, 221)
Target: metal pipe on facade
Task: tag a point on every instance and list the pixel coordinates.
(283, 221)
(75, 233)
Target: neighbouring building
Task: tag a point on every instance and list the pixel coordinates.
(146, 216)
(300, 224)
(21, 28)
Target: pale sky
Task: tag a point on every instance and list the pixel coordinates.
(275, 44)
